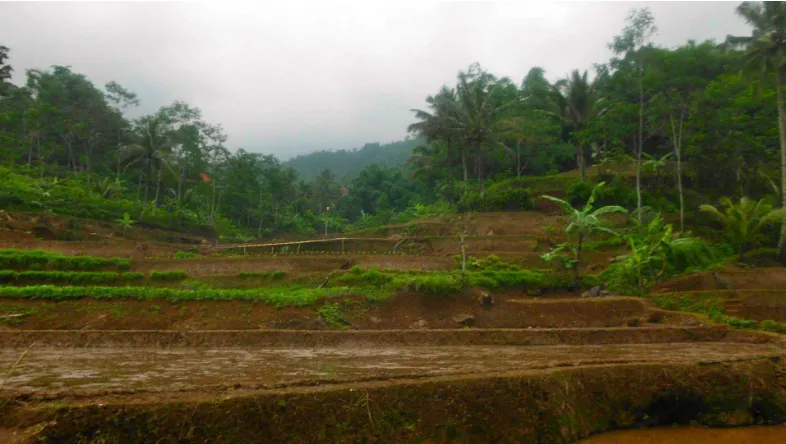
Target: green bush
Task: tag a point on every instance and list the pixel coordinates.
(278, 296)
(278, 274)
(490, 262)
(171, 275)
(132, 276)
(616, 192)
(508, 195)
(506, 278)
(430, 284)
(253, 274)
(332, 313)
(186, 255)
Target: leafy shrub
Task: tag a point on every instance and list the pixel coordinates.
(332, 313)
(170, 275)
(132, 276)
(655, 254)
(278, 274)
(490, 262)
(371, 277)
(429, 284)
(506, 278)
(253, 274)
(186, 255)
(617, 192)
(508, 195)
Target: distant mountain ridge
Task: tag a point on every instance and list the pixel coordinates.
(346, 164)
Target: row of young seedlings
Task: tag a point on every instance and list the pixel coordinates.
(85, 278)
(320, 252)
(41, 260)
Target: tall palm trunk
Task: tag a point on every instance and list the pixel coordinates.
(464, 165)
(676, 132)
(580, 162)
(640, 143)
(782, 134)
(147, 180)
(158, 186)
(479, 151)
(139, 185)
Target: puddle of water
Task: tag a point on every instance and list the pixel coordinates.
(693, 435)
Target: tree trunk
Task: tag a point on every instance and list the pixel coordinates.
(580, 162)
(480, 170)
(462, 243)
(40, 153)
(676, 132)
(147, 180)
(640, 147)
(158, 186)
(464, 165)
(139, 185)
(518, 158)
(577, 266)
(782, 134)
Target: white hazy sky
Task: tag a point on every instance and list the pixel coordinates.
(291, 77)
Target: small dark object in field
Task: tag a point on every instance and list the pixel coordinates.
(655, 317)
(633, 322)
(721, 284)
(690, 322)
(596, 291)
(464, 319)
(486, 299)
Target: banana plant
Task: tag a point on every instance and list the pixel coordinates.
(745, 220)
(126, 222)
(585, 222)
(654, 251)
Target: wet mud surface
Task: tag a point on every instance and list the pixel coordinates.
(46, 370)
(694, 435)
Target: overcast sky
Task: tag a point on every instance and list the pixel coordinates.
(289, 78)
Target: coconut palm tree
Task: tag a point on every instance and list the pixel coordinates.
(766, 54)
(435, 125)
(577, 105)
(475, 117)
(152, 151)
(744, 220)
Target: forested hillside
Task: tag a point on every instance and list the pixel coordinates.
(667, 128)
(346, 164)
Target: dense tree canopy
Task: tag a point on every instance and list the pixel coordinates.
(708, 116)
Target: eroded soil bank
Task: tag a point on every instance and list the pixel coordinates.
(553, 405)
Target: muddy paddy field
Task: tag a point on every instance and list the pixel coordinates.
(219, 355)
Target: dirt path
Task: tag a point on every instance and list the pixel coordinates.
(111, 369)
